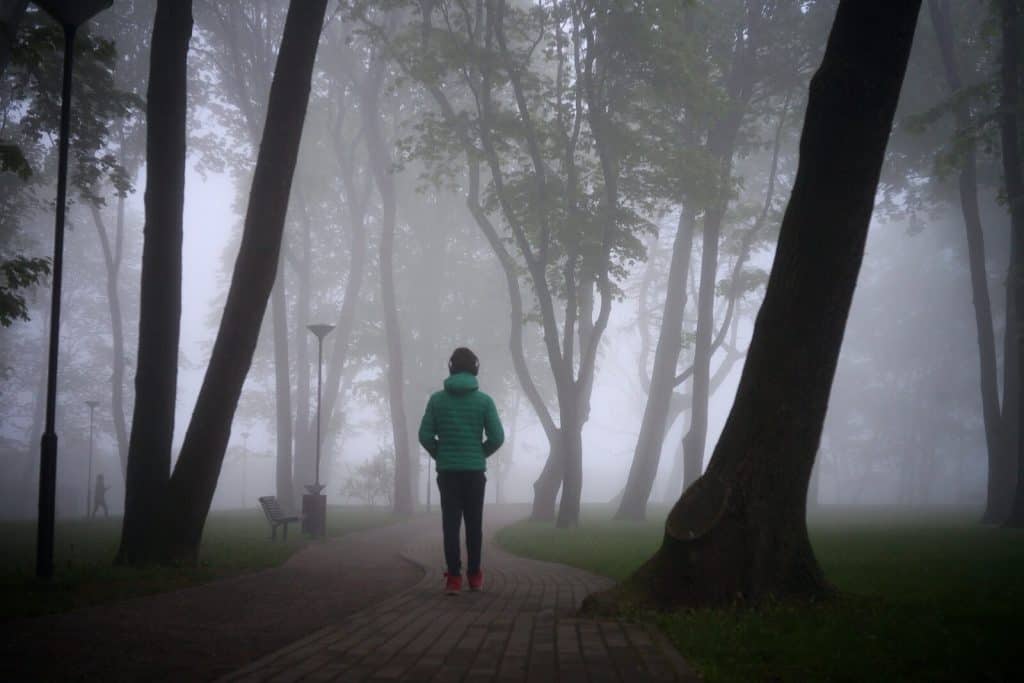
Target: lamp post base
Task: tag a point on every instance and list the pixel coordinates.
(314, 514)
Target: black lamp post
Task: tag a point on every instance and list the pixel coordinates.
(70, 14)
(88, 483)
(314, 503)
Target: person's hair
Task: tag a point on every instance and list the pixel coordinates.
(463, 360)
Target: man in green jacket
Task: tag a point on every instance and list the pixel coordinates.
(451, 431)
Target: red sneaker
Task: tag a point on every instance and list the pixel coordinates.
(476, 581)
(452, 584)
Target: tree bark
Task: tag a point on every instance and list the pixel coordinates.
(659, 397)
(1009, 127)
(380, 162)
(156, 375)
(195, 476)
(968, 186)
(740, 532)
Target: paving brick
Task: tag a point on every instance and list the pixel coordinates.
(522, 627)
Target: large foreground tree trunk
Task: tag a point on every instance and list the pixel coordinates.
(191, 487)
(1009, 126)
(740, 531)
(995, 509)
(156, 375)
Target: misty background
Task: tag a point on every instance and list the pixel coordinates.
(904, 423)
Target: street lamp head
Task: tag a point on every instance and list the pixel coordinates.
(320, 330)
(73, 12)
(92, 404)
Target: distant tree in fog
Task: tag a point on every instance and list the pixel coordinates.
(548, 128)
(738, 84)
(372, 480)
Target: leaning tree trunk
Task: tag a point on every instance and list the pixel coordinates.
(968, 184)
(1009, 126)
(740, 532)
(192, 485)
(380, 161)
(659, 396)
(156, 375)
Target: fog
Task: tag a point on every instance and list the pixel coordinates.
(904, 425)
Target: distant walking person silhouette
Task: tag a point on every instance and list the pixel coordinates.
(99, 497)
(452, 431)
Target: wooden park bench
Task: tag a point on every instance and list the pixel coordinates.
(276, 518)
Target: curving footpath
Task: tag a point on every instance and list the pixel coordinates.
(520, 628)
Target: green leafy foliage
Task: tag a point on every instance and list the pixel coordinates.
(19, 273)
(12, 160)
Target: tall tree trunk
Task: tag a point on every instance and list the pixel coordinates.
(305, 426)
(1006, 473)
(156, 375)
(740, 531)
(284, 483)
(192, 485)
(546, 486)
(659, 397)
(112, 261)
(721, 144)
(572, 463)
(355, 202)
(380, 161)
(968, 185)
(1009, 126)
(696, 437)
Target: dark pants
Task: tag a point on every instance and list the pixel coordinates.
(462, 497)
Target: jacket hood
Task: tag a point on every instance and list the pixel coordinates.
(461, 383)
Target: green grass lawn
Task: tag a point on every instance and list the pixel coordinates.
(234, 542)
(921, 597)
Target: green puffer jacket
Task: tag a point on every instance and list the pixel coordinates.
(454, 423)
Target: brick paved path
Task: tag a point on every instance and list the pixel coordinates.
(520, 628)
